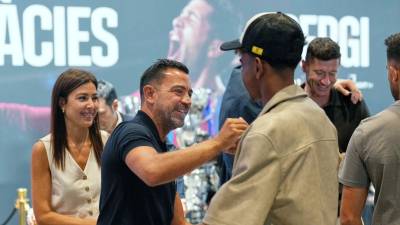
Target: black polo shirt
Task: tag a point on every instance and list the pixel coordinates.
(125, 199)
(345, 115)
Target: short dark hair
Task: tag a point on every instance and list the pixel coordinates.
(323, 48)
(107, 91)
(155, 72)
(393, 47)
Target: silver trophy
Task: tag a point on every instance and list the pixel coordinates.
(201, 182)
(129, 105)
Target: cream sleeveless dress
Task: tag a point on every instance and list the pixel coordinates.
(75, 192)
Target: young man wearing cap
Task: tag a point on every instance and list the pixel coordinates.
(345, 109)
(236, 102)
(285, 169)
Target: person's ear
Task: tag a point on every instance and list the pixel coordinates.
(304, 65)
(392, 73)
(61, 104)
(398, 79)
(149, 93)
(213, 49)
(396, 74)
(114, 105)
(259, 68)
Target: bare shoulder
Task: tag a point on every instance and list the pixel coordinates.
(39, 151)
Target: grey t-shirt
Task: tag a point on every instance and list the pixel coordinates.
(373, 155)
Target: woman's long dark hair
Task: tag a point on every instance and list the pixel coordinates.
(67, 82)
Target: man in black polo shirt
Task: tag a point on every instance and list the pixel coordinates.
(138, 173)
(321, 68)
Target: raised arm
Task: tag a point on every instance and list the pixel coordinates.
(348, 87)
(155, 168)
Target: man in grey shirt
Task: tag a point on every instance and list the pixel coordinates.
(373, 155)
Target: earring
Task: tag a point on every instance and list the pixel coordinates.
(63, 110)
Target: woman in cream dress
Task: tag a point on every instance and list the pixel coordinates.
(66, 163)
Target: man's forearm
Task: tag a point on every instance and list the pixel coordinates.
(166, 167)
(353, 201)
(158, 168)
(353, 221)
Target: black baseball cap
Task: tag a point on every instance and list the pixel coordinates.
(271, 36)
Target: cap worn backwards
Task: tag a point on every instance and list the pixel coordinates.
(271, 36)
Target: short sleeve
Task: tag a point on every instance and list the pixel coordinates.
(133, 136)
(364, 110)
(256, 170)
(354, 172)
